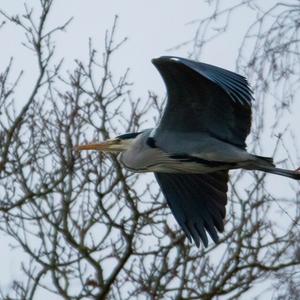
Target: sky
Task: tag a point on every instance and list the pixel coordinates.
(152, 27)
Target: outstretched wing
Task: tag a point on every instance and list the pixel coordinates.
(203, 99)
(197, 202)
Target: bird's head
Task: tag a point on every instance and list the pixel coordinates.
(118, 144)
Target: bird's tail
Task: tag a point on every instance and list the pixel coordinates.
(282, 172)
(266, 164)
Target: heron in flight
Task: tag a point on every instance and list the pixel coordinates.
(200, 137)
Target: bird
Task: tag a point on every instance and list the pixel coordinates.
(199, 138)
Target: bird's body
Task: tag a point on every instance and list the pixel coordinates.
(200, 137)
(205, 158)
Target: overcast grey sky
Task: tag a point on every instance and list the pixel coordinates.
(151, 26)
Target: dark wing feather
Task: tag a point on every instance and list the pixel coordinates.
(197, 202)
(204, 99)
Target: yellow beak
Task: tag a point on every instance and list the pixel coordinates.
(109, 145)
(99, 147)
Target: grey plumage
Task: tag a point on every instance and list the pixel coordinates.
(197, 201)
(201, 136)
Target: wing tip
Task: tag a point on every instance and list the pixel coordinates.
(244, 97)
(164, 59)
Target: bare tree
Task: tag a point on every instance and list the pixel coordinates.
(91, 230)
(269, 56)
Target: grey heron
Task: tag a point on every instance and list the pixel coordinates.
(200, 137)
